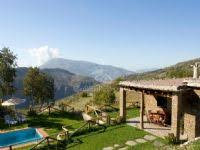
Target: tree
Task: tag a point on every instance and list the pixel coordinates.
(39, 86)
(104, 95)
(84, 94)
(115, 83)
(7, 71)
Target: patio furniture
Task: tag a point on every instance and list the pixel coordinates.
(13, 102)
(149, 116)
(157, 117)
(20, 117)
(88, 121)
(9, 120)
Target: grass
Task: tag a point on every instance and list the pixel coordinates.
(90, 140)
(76, 101)
(113, 135)
(193, 146)
(130, 113)
(51, 123)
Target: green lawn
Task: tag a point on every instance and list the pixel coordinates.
(51, 123)
(90, 140)
(130, 113)
(113, 135)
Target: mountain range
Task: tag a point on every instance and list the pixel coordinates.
(179, 70)
(101, 73)
(65, 82)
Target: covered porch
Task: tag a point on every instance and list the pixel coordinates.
(155, 129)
(155, 98)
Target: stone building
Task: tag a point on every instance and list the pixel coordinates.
(179, 99)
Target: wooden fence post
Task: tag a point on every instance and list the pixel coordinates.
(49, 109)
(48, 141)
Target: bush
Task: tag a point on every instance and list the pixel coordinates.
(115, 83)
(32, 113)
(104, 95)
(171, 139)
(84, 94)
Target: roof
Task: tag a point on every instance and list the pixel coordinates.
(162, 85)
(193, 82)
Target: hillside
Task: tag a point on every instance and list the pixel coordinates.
(179, 70)
(101, 73)
(66, 83)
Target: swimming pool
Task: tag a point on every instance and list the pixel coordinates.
(19, 137)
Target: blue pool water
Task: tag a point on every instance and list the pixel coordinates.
(19, 137)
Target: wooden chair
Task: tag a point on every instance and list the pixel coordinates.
(149, 116)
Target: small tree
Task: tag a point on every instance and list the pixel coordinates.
(39, 86)
(84, 94)
(104, 95)
(115, 83)
(7, 71)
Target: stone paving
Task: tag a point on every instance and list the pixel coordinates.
(116, 145)
(132, 143)
(152, 128)
(149, 137)
(140, 140)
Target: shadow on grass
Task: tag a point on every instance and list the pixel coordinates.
(74, 141)
(69, 115)
(91, 133)
(42, 121)
(55, 146)
(54, 120)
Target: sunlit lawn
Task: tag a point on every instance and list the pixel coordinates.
(51, 123)
(113, 135)
(91, 140)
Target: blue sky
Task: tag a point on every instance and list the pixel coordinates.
(133, 34)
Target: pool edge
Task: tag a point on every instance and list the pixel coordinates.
(41, 132)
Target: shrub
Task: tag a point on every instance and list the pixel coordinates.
(119, 120)
(104, 95)
(115, 83)
(171, 139)
(32, 113)
(84, 94)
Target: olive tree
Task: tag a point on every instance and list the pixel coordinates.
(7, 71)
(39, 86)
(104, 94)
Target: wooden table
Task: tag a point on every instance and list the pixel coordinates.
(158, 118)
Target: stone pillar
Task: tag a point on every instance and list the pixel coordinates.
(176, 114)
(190, 126)
(122, 104)
(142, 111)
(195, 71)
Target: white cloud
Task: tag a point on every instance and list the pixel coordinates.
(43, 54)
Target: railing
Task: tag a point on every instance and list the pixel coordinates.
(63, 107)
(101, 115)
(49, 139)
(108, 106)
(66, 134)
(89, 109)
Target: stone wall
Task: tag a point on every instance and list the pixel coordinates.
(191, 126)
(191, 107)
(151, 103)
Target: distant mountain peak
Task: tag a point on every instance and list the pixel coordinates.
(101, 73)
